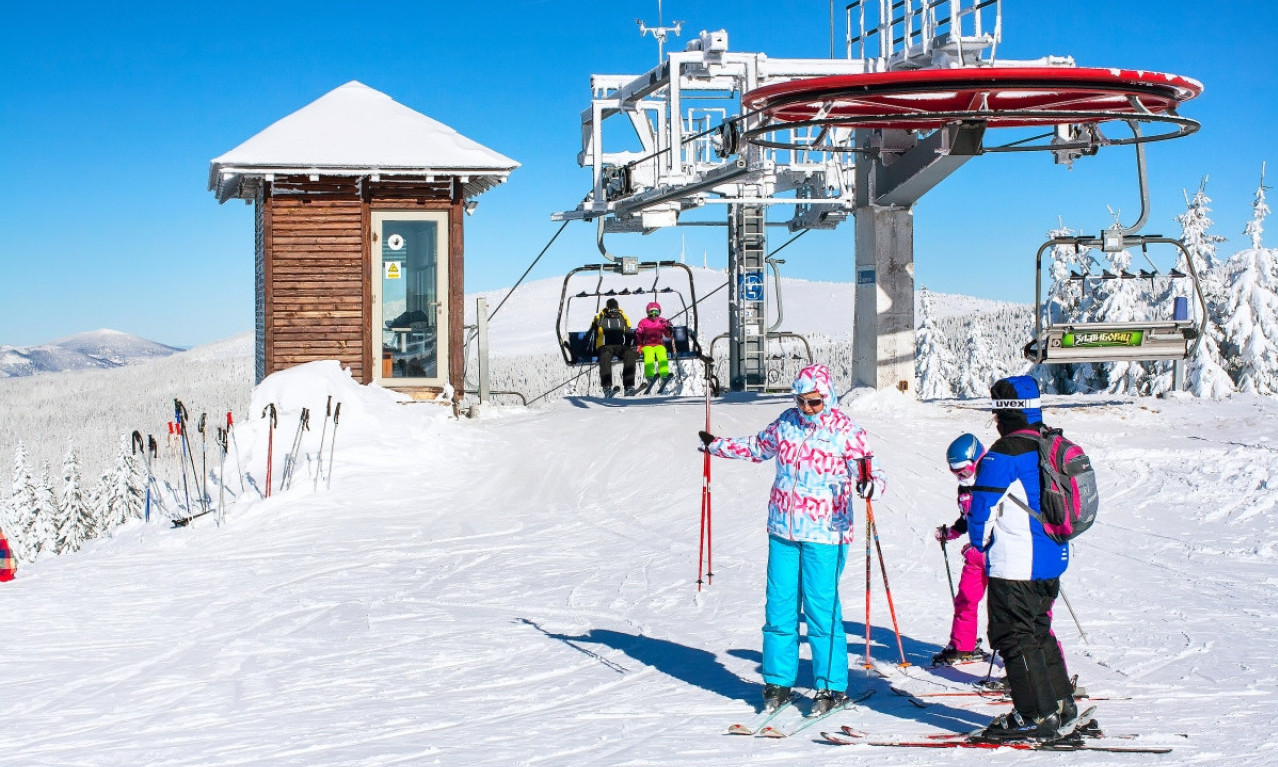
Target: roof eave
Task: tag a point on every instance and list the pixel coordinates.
(227, 181)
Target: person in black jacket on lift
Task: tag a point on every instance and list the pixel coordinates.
(612, 336)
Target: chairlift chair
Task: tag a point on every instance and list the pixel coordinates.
(1173, 337)
(574, 344)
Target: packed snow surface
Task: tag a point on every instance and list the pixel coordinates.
(519, 589)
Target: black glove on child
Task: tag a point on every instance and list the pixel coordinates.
(706, 437)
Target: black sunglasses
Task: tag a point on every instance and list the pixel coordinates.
(810, 402)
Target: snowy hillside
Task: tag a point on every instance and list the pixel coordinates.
(519, 590)
(95, 409)
(97, 349)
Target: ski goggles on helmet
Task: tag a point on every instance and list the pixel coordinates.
(654, 312)
(963, 469)
(811, 401)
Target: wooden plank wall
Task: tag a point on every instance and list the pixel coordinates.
(315, 305)
(314, 274)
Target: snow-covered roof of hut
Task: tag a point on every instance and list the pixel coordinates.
(355, 130)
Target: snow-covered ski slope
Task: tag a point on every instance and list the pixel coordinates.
(518, 590)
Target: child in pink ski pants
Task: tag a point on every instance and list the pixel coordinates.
(972, 581)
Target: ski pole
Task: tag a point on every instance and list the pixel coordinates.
(153, 455)
(270, 442)
(704, 547)
(239, 465)
(868, 575)
(869, 513)
(186, 490)
(946, 554)
(204, 460)
(319, 467)
(1070, 607)
(290, 460)
(332, 444)
(137, 445)
(221, 477)
(184, 421)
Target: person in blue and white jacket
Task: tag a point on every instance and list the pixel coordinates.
(1024, 566)
(819, 453)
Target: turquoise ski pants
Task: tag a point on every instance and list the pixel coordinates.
(805, 577)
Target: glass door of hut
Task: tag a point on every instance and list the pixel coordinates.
(410, 297)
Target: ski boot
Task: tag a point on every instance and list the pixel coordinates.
(949, 656)
(1009, 727)
(611, 391)
(775, 696)
(630, 391)
(826, 700)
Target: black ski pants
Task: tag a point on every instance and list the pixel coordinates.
(1020, 629)
(628, 357)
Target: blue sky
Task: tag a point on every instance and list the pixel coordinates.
(110, 113)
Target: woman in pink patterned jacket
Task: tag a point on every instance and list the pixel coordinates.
(819, 452)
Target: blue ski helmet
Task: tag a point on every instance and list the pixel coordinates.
(964, 451)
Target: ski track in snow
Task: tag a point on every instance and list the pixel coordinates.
(519, 590)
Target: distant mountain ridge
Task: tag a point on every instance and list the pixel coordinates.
(84, 351)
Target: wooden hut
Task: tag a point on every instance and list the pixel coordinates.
(359, 206)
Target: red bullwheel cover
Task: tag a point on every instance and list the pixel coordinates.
(1003, 97)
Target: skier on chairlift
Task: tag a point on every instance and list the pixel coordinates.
(651, 335)
(611, 335)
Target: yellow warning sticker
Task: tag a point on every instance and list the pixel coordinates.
(392, 270)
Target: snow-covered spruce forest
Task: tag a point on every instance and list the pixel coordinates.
(74, 475)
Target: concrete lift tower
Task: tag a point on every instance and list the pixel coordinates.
(820, 140)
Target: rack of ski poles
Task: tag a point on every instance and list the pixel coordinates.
(178, 481)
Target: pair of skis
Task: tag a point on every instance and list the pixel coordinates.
(762, 724)
(848, 736)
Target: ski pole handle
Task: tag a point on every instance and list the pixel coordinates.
(306, 419)
(152, 446)
(179, 410)
(328, 406)
(138, 444)
(270, 408)
(864, 469)
(337, 412)
(203, 418)
(228, 420)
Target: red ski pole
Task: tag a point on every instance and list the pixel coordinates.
(704, 548)
(270, 443)
(869, 516)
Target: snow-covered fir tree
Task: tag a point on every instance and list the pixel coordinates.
(121, 497)
(980, 366)
(76, 523)
(1251, 304)
(934, 364)
(21, 508)
(47, 519)
(1205, 374)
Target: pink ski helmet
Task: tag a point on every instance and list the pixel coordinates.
(653, 305)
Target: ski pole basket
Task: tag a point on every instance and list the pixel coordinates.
(1172, 335)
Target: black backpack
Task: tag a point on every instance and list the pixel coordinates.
(613, 327)
(1068, 498)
